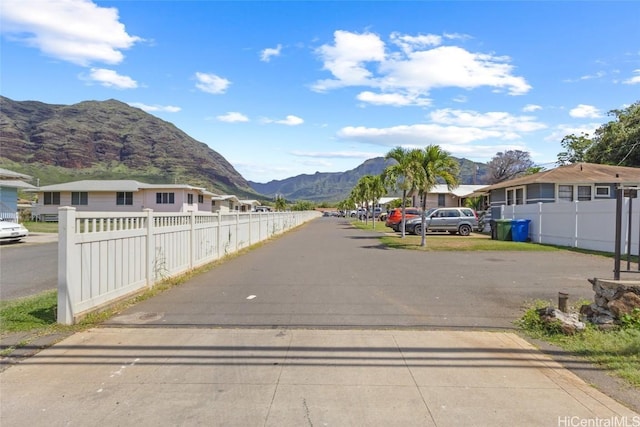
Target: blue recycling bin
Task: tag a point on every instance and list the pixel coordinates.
(520, 230)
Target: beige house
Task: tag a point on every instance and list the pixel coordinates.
(119, 196)
(441, 197)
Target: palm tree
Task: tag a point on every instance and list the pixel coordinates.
(374, 189)
(401, 175)
(280, 203)
(435, 164)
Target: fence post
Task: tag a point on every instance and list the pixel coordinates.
(220, 252)
(150, 244)
(192, 239)
(68, 284)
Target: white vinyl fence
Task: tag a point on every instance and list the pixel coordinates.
(106, 256)
(586, 225)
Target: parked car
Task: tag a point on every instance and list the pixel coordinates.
(12, 231)
(394, 218)
(454, 220)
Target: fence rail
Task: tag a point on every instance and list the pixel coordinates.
(586, 225)
(106, 256)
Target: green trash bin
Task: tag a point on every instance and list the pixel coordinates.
(504, 229)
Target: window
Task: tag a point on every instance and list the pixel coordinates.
(602, 191)
(165, 198)
(190, 198)
(509, 197)
(584, 193)
(79, 198)
(519, 196)
(124, 198)
(441, 201)
(565, 192)
(213, 203)
(200, 198)
(51, 198)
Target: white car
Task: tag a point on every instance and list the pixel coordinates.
(12, 231)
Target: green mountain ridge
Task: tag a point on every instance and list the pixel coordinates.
(336, 186)
(108, 140)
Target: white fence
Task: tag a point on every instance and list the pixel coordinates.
(586, 225)
(106, 256)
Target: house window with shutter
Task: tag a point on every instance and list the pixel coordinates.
(190, 199)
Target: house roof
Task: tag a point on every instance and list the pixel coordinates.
(577, 173)
(11, 175)
(13, 183)
(116, 185)
(459, 191)
(225, 197)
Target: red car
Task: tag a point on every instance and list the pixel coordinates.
(395, 217)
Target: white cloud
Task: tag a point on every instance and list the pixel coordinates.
(560, 131)
(155, 108)
(267, 53)
(416, 135)
(529, 108)
(501, 121)
(211, 83)
(583, 111)
(410, 43)
(346, 59)
(233, 117)
(417, 68)
(393, 99)
(110, 78)
(76, 31)
(597, 75)
(290, 120)
(633, 80)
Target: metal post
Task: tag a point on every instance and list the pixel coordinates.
(562, 301)
(616, 266)
(629, 235)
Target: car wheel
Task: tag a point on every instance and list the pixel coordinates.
(464, 230)
(417, 230)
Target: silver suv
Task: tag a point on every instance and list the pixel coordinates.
(453, 220)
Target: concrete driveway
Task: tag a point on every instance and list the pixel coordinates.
(328, 274)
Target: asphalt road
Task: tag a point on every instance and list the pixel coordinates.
(329, 274)
(28, 267)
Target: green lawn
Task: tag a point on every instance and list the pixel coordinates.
(448, 242)
(41, 227)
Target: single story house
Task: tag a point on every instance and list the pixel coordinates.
(441, 197)
(225, 203)
(575, 182)
(10, 183)
(248, 205)
(119, 196)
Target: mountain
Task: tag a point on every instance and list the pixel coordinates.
(108, 140)
(336, 186)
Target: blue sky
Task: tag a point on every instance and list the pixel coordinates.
(285, 88)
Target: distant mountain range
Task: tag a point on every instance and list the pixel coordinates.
(336, 186)
(112, 140)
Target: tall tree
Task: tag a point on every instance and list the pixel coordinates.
(508, 165)
(401, 176)
(435, 165)
(618, 141)
(575, 149)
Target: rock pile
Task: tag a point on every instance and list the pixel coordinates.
(613, 299)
